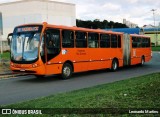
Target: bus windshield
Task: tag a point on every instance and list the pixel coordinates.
(24, 44)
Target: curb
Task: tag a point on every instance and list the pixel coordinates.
(6, 73)
(5, 76)
(156, 51)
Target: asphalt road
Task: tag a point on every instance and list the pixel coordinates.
(28, 87)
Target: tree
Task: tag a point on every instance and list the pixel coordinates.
(111, 24)
(95, 24)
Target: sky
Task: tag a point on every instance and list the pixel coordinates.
(135, 11)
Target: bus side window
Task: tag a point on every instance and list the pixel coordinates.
(93, 40)
(105, 41)
(119, 41)
(114, 41)
(67, 39)
(144, 42)
(139, 42)
(148, 42)
(81, 39)
(134, 42)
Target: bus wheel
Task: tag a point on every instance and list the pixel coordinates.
(66, 71)
(142, 60)
(114, 66)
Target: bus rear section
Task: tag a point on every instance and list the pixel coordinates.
(141, 49)
(137, 49)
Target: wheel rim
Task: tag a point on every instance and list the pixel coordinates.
(67, 71)
(114, 65)
(142, 61)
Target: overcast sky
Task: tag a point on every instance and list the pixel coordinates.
(136, 11)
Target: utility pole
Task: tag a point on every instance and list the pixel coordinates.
(155, 37)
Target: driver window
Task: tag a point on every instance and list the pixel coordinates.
(52, 42)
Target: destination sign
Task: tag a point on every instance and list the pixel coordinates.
(27, 29)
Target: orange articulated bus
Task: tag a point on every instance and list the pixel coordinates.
(44, 49)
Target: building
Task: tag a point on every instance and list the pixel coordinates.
(36, 11)
(129, 24)
(154, 33)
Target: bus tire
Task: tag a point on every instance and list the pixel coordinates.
(67, 71)
(142, 60)
(114, 65)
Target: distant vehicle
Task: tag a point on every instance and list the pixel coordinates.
(44, 49)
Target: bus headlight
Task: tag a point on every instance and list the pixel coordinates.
(12, 64)
(34, 65)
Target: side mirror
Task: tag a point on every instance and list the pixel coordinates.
(9, 38)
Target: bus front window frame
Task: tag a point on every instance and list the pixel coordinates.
(25, 44)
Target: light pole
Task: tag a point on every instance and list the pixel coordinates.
(155, 37)
(1, 42)
(1, 31)
(1, 47)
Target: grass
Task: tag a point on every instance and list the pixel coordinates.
(140, 92)
(5, 56)
(4, 62)
(156, 48)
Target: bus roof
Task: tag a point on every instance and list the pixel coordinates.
(81, 29)
(71, 28)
